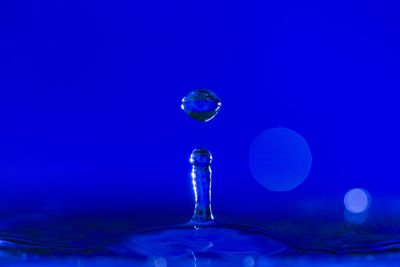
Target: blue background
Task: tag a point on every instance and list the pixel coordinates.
(90, 94)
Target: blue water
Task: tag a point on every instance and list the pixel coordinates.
(96, 241)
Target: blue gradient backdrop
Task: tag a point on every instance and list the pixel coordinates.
(90, 93)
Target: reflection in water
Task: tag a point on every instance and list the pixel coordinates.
(355, 218)
(249, 261)
(160, 262)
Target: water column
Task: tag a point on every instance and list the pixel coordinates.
(201, 179)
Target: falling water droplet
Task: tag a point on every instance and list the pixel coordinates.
(201, 104)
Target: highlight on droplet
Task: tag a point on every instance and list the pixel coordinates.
(357, 200)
